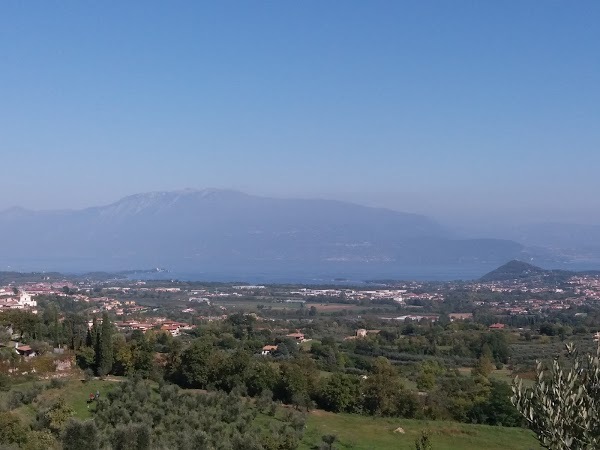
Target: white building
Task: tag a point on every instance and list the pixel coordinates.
(26, 301)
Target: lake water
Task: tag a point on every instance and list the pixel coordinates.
(283, 273)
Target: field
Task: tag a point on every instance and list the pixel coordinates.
(253, 304)
(500, 375)
(333, 307)
(366, 433)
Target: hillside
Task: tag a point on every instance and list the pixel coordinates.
(197, 230)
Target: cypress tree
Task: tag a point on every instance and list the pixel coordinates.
(104, 349)
(92, 336)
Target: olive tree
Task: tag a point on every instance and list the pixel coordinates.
(563, 407)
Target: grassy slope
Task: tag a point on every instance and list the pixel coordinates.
(75, 393)
(366, 433)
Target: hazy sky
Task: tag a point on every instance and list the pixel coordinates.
(453, 107)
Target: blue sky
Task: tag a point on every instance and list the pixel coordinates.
(455, 109)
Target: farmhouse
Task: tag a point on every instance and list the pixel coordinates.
(299, 337)
(268, 349)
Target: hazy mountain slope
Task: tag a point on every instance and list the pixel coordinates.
(218, 227)
(564, 235)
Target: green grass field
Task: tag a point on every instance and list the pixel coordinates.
(77, 393)
(368, 433)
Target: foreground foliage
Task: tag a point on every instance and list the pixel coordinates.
(563, 406)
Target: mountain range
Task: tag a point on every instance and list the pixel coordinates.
(222, 230)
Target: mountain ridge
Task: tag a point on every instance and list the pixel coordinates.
(195, 229)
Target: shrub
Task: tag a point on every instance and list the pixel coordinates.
(24, 397)
(43, 440)
(57, 383)
(11, 429)
(79, 435)
(4, 382)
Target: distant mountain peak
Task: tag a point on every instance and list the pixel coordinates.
(186, 192)
(160, 200)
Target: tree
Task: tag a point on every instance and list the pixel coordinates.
(496, 409)
(425, 380)
(142, 355)
(55, 417)
(91, 335)
(40, 347)
(11, 429)
(122, 356)
(4, 382)
(23, 322)
(563, 407)
(428, 372)
(5, 335)
(484, 366)
(132, 437)
(329, 439)
(86, 358)
(173, 365)
(339, 393)
(260, 377)
(195, 366)
(104, 347)
(79, 435)
(384, 393)
(76, 331)
(43, 440)
(292, 386)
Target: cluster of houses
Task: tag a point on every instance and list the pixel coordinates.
(24, 298)
(20, 300)
(173, 328)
